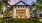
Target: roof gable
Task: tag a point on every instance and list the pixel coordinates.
(20, 3)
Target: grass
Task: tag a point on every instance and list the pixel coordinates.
(1, 20)
(39, 19)
(21, 20)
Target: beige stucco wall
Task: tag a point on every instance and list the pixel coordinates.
(27, 12)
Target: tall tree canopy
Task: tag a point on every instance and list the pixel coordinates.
(1, 6)
(39, 4)
(5, 1)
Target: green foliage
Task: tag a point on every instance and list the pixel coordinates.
(5, 1)
(0, 4)
(38, 4)
(33, 4)
(39, 1)
(7, 13)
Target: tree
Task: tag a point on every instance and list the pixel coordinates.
(1, 6)
(5, 2)
(39, 5)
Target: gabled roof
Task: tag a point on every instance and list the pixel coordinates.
(20, 3)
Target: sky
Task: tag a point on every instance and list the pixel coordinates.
(28, 2)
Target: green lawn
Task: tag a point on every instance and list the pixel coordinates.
(39, 19)
(1, 20)
(21, 20)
